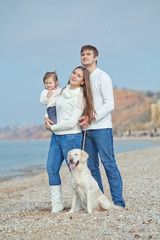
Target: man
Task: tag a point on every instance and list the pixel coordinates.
(99, 139)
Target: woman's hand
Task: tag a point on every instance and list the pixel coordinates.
(48, 123)
(47, 120)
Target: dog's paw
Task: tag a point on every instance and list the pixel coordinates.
(70, 211)
(89, 212)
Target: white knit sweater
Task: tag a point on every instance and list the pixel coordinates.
(103, 99)
(69, 108)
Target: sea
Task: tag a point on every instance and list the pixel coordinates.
(25, 158)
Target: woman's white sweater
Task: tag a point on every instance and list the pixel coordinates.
(69, 108)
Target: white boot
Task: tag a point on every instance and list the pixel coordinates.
(56, 198)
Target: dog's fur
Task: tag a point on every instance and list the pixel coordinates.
(84, 185)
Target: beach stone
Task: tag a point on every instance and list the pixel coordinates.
(26, 209)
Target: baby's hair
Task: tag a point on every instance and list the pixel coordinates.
(50, 74)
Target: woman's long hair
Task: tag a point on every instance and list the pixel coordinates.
(87, 93)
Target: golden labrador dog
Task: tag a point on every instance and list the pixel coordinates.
(84, 185)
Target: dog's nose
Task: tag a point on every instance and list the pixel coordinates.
(71, 160)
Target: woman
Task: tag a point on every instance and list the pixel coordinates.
(76, 100)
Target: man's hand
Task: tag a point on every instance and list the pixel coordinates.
(83, 121)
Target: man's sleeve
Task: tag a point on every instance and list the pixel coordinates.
(106, 90)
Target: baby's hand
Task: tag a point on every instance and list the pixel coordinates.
(49, 94)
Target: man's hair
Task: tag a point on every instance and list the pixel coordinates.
(90, 47)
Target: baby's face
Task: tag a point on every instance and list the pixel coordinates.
(50, 83)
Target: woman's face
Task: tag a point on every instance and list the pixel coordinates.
(76, 78)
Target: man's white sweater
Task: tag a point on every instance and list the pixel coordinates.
(103, 99)
(69, 108)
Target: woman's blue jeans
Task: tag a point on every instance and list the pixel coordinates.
(101, 141)
(60, 145)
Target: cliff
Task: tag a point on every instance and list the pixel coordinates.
(133, 112)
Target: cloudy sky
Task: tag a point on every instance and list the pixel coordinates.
(43, 35)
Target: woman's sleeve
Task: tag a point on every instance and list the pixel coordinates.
(77, 112)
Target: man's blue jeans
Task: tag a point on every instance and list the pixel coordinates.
(60, 145)
(101, 141)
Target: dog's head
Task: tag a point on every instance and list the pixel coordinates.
(76, 156)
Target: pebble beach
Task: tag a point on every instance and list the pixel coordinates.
(25, 208)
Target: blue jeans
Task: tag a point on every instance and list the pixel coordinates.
(60, 145)
(100, 141)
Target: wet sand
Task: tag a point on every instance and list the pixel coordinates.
(26, 210)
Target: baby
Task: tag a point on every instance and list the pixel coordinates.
(50, 94)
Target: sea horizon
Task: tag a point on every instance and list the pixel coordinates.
(20, 159)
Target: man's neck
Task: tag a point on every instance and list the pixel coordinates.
(91, 68)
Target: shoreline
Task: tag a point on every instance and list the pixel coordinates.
(142, 138)
(26, 208)
(29, 171)
(132, 138)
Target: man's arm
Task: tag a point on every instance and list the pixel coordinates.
(106, 90)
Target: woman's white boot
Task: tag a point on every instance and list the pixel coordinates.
(56, 198)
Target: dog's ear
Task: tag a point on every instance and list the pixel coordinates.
(84, 156)
(68, 156)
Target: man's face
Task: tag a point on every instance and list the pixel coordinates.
(87, 58)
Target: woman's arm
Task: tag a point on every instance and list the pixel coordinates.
(70, 123)
(76, 113)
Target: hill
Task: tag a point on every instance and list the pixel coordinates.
(15, 133)
(133, 111)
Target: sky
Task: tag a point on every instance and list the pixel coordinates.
(37, 36)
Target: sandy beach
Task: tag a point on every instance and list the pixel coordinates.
(26, 210)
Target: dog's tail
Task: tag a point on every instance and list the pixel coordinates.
(105, 203)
